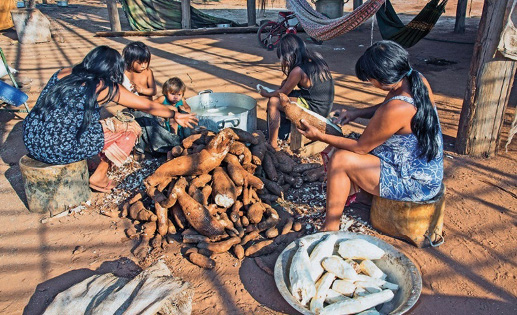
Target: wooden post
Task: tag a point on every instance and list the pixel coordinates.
(113, 15)
(252, 17)
(488, 90)
(461, 12)
(296, 139)
(357, 3)
(186, 22)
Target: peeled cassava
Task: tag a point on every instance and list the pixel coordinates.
(302, 285)
(339, 267)
(322, 250)
(322, 288)
(359, 304)
(359, 249)
(295, 113)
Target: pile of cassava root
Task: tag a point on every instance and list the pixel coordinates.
(217, 191)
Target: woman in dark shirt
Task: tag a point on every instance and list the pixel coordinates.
(308, 71)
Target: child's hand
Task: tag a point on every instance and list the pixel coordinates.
(132, 88)
(186, 120)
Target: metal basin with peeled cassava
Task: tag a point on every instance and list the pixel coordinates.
(222, 110)
(397, 266)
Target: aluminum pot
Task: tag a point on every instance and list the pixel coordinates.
(222, 110)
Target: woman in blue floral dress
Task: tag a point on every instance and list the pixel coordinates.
(64, 125)
(399, 156)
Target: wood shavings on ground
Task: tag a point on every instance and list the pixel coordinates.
(307, 204)
(130, 178)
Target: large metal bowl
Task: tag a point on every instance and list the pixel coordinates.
(397, 266)
(244, 117)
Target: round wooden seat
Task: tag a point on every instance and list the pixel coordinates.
(420, 223)
(54, 188)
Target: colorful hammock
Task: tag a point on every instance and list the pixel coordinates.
(321, 27)
(146, 15)
(392, 28)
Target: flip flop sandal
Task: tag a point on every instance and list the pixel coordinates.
(104, 189)
(351, 199)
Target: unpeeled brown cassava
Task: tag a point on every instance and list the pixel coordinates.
(295, 113)
(194, 164)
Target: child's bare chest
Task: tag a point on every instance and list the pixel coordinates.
(139, 79)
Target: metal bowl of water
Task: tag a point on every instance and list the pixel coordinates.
(397, 266)
(225, 110)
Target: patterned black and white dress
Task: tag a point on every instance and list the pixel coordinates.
(405, 175)
(52, 138)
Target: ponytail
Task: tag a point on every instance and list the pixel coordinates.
(424, 124)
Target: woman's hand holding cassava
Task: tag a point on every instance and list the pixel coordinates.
(186, 120)
(310, 132)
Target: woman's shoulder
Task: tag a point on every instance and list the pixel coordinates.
(399, 104)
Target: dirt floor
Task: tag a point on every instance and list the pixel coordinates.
(473, 272)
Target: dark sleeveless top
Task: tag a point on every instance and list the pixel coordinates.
(319, 96)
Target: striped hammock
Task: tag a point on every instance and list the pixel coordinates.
(321, 27)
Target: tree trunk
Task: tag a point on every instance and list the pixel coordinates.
(113, 15)
(488, 90)
(186, 22)
(461, 12)
(252, 17)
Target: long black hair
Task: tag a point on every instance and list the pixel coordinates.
(101, 66)
(293, 53)
(136, 51)
(388, 63)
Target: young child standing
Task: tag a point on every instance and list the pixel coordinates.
(173, 91)
(137, 58)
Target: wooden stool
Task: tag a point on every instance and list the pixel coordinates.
(299, 144)
(420, 223)
(54, 188)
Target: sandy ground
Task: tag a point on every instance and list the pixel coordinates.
(474, 272)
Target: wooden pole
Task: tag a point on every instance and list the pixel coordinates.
(113, 15)
(357, 3)
(186, 22)
(252, 16)
(187, 32)
(488, 90)
(461, 12)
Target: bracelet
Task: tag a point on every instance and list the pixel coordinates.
(174, 115)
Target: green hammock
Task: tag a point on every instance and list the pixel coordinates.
(148, 15)
(392, 28)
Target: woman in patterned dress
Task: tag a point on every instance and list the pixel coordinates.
(399, 156)
(64, 125)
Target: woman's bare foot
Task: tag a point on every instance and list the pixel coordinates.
(105, 185)
(329, 227)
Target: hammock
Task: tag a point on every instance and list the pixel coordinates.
(145, 15)
(392, 28)
(321, 27)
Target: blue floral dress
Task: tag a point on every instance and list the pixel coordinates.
(405, 175)
(52, 138)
